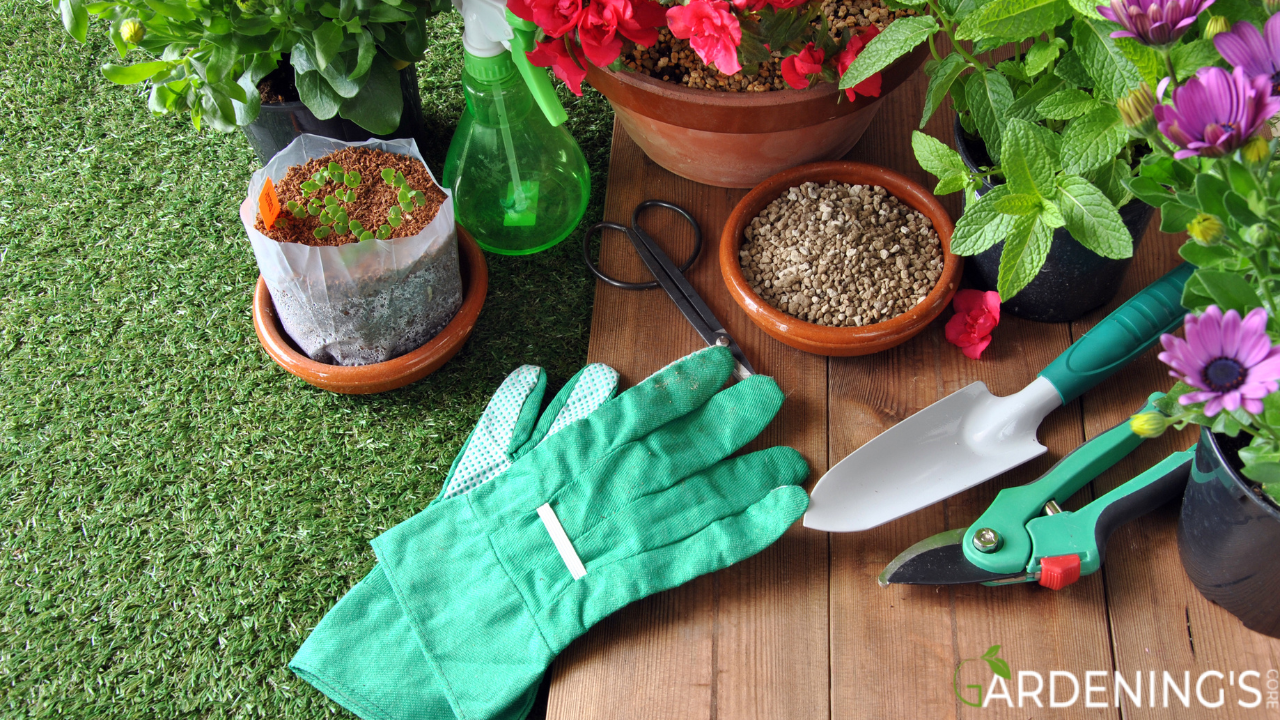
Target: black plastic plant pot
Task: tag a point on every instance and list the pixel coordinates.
(1228, 535)
(1074, 280)
(278, 124)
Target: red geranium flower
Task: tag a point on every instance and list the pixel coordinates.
(871, 86)
(977, 314)
(796, 69)
(568, 65)
(604, 20)
(785, 4)
(555, 17)
(711, 29)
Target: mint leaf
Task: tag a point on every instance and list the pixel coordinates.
(1092, 140)
(1025, 107)
(942, 74)
(1072, 70)
(981, 225)
(328, 36)
(1092, 220)
(1017, 204)
(1190, 57)
(1050, 214)
(935, 157)
(1025, 249)
(1042, 53)
(989, 96)
(1067, 104)
(1013, 19)
(1147, 59)
(1110, 180)
(1087, 8)
(1025, 162)
(899, 38)
(1114, 74)
(954, 182)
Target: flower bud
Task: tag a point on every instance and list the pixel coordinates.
(1205, 229)
(1257, 150)
(1148, 425)
(1135, 110)
(132, 31)
(1217, 24)
(1258, 235)
(1273, 6)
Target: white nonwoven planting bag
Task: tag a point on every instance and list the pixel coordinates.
(362, 302)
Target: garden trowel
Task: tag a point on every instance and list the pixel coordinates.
(972, 435)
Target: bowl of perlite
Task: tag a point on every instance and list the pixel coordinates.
(840, 258)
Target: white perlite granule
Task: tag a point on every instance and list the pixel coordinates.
(841, 255)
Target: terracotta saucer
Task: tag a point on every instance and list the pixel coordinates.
(397, 372)
(839, 341)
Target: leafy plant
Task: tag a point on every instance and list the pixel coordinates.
(333, 215)
(1052, 118)
(206, 57)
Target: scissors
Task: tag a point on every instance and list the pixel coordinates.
(670, 278)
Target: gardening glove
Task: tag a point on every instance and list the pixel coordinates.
(639, 497)
(363, 655)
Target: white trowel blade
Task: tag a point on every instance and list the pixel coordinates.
(961, 440)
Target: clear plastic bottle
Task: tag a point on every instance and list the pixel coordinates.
(520, 185)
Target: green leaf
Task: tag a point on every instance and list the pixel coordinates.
(1188, 57)
(1025, 250)
(1026, 107)
(1230, 291)
(1110, 180)
(1174, 217)
(989, 97)
(1092, 220)
(383, 13)
(328, 37)
(1148, 191)
(378, 105)
(1146, 59)
(1087, 8)
(1067, 104)
(389, 176)
(1070, 68)
(941, 76)
(1206, 257)
(1093, 139)
(1025, 161)
(384, 232)
(954, 182)
(981, 225)
(1014, 70)
(322, 232)
(899, 38)
(1266, 473)
(1016, 204)
(1051, 215)
(217, 109)
(935, 156)
(1239, 210)
(1211, 192)
(1042, 54)
(176, 11)
(1013, 19)
(247, 109)
(317, 94)
(1242, 181)
(999, 667)
(352, 179)
(991, 652)
(364, 54)
(75, 19)
(135, 73)
(1114, 75)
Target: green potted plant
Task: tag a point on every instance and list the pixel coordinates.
(348, 73)
(1045, 136)
(1213, 170)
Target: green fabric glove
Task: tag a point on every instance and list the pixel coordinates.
(363, 654)
(646, 498)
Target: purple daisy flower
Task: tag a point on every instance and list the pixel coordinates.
(1230, 361)
(1153, 22)
(1245, 47)
(1216, 112)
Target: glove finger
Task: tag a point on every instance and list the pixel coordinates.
(364, 656)
(504, 426)
(586, 391)
(607, 588)
(727, 488)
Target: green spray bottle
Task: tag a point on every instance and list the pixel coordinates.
(520, 183)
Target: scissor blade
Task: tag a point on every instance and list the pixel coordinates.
(937, 560)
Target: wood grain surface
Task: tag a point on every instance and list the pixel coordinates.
(803, 630)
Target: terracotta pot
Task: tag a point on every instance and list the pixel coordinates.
(732, 139)
(840, 341)
(397, 372)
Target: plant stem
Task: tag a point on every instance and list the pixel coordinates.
(1168, 62)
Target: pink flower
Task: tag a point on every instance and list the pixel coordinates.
(555, 17)
(567, 65)
(750, 5)
(796, 69)
(869, 87)
(977, 314)
(1230, 360)
(711, 29)
(604, 20)
(785, 4)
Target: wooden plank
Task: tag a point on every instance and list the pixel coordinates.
(747, 642)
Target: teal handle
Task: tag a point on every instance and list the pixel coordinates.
(1121, 336)
(1014, 507)
(1085, 532)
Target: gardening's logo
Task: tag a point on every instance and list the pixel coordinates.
(993, 660)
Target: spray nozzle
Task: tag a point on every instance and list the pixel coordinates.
(490, 30)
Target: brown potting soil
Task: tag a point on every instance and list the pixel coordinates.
(374, 197)
(673, 60)
(278, 86)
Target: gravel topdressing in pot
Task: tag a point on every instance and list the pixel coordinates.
(841, 255)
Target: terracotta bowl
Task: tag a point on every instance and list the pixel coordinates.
(839, 341)
(397, 372)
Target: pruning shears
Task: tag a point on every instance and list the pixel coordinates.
(1025, 536)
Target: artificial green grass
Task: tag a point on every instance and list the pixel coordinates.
(178, 512)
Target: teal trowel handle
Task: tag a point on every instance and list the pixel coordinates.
(534, 77)
(1121, 336)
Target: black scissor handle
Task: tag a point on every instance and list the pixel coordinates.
(635, 229)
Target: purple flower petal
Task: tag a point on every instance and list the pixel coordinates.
(1268, 369)
(1253, 406)
(1195, 397)
(1231, 401)
(1231, 334)
(1213, 405)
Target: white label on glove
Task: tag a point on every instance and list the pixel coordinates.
(561, 540)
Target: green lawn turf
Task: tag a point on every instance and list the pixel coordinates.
(178, 512)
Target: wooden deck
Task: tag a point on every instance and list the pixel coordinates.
(803, 630)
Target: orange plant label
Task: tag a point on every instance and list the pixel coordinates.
(269, 204)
